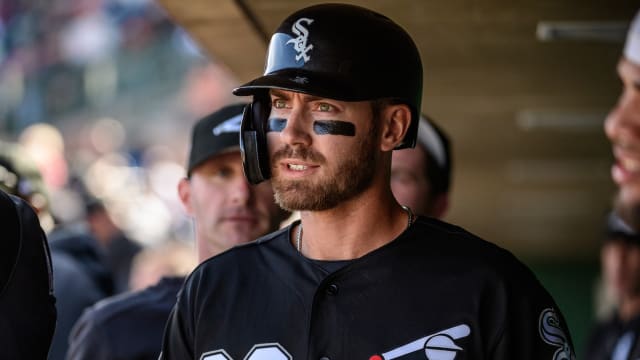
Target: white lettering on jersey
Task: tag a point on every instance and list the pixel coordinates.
(215, 355)
(273, 351)
(438, 346)
(270, 351)
(551, 332)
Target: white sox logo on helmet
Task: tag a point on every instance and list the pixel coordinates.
(300, 43)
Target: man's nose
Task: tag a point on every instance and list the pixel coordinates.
(296, 131)
(240, 192)
(624, 119)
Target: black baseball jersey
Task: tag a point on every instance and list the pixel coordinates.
(125, 327)
(27, 303)
(614, 336)
(435, 292)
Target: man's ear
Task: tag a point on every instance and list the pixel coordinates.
(184, 193)
(395, 121)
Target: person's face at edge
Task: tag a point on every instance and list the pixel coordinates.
(409, 181)
(622, 127)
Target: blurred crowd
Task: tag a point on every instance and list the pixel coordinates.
(97, 98)
(101, 94)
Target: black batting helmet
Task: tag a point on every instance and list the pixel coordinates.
(336, 51)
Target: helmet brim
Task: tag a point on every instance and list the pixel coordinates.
(299, 81)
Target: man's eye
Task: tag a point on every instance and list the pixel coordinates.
(324, 107)
(279, 104)
(223, 173)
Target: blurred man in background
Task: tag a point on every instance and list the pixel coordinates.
(227, 211)
(118, 249)
(623, 129)
(617, 339)
(421, 176)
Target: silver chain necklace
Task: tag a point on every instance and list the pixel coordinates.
(299, 232)
(299, 238)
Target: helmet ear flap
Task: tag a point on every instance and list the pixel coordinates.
(253, 140)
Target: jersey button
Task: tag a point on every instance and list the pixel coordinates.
(332, 290)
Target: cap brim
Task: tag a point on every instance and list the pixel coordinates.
(213, 152)
(322, 86)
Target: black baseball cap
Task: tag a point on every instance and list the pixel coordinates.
(435, 141)
(620, 230)
(343, 52)
(214, 134)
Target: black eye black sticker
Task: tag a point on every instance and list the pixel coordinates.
(277, 124)
(334, 127)
(320, 127)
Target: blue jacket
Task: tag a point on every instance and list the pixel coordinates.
(127, 326)
(81, 278)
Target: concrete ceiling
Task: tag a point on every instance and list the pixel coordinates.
(525, 115)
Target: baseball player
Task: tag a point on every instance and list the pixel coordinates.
(359, 276)
(622, 127)
(227, 211)
(617, 337)
(421, 176)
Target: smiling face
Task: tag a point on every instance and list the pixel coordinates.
(227, 210)
(623, 129)
(322, 151)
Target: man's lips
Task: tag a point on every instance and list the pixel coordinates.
(627, 166)
(240, 218)
(296, 167)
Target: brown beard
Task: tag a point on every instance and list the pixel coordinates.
(351, 177)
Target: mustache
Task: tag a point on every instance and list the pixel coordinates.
(300, 153)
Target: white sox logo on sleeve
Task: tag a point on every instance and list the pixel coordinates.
(551, 332)
(438, 346)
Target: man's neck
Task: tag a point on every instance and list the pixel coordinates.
(352, 229)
